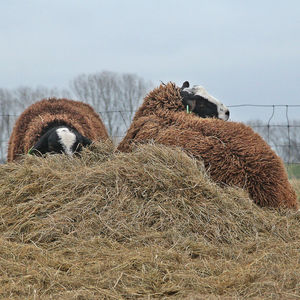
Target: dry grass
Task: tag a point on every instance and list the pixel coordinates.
(296, 184)
(148, 224)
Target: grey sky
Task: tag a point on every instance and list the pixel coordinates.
(241, 51)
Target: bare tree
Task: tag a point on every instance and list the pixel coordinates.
(115, 96)
(25, 96)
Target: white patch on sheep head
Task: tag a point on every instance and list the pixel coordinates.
(67, 139)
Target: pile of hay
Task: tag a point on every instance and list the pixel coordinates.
(146, 224)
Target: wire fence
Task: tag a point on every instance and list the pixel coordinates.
(283, 136)
(277, 124)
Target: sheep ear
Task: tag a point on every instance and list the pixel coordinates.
(186, 84)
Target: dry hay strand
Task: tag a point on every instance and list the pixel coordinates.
(146, 224)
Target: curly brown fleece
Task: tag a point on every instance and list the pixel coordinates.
(232, 152)
(35, 120)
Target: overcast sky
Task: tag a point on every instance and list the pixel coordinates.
(240, 51)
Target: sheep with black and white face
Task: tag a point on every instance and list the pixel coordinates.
(55, 126)
(232, 152)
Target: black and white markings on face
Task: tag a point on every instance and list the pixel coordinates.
(67, 139)
(60, 139)
(203, 104)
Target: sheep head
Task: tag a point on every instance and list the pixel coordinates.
(198, 101)
(60, 139)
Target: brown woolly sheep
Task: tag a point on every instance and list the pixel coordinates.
(74, 116)
(233, 153)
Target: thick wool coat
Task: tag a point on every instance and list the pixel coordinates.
(40, 116)
(232, 152)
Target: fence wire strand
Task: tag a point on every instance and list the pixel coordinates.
(292, 152)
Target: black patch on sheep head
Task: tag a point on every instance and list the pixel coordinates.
(187, 99)
(60, 139)
(206, 106)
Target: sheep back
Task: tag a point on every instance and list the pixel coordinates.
(232, 152)
(38, 117)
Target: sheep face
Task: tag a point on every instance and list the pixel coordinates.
(198, 101)
(60, 139)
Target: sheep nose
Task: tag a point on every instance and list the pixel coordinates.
(226, 115)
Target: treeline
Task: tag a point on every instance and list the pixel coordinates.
(115, 96)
